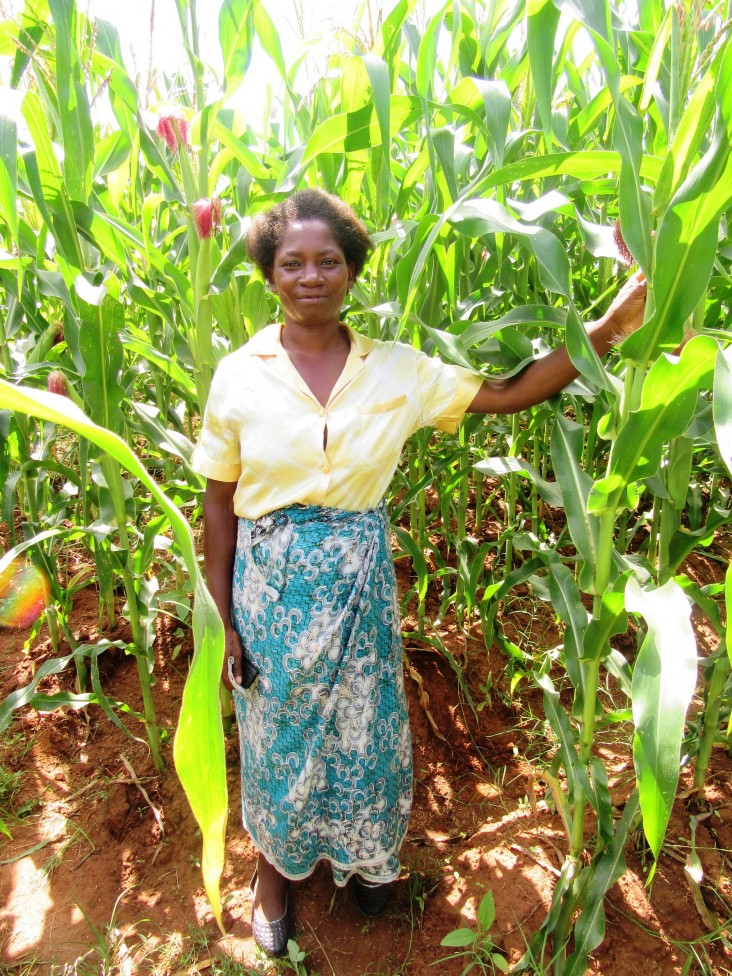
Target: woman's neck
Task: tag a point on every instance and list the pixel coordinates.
(314, 341)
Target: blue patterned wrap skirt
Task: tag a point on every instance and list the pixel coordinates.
(326, 756)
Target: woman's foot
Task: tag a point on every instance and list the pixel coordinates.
(270, 890)
(270, 915)
(371, 898)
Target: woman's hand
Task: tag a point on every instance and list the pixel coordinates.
(232, 648)
(625, 314)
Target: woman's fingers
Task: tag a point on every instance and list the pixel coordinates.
(232, 660)
(633, 290)
(628, 306)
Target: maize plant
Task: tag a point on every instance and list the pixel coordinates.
(511, 159)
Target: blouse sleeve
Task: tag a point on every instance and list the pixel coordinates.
(217, 453)
(446, 392)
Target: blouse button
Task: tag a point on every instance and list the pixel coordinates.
(325, 466)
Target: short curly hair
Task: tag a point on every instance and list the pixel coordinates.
(268, 228)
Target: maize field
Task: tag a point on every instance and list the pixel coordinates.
(564, 579)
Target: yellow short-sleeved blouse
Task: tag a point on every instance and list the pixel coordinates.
(264, 429)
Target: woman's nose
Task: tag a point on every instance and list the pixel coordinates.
(311, 273)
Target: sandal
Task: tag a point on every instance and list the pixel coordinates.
(271, 937)
(371, 899)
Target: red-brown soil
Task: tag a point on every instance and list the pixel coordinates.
(98, 840)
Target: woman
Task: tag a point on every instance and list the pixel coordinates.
(302, 434)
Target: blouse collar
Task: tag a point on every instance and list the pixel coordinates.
(266, 342)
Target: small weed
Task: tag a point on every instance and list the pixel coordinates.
(9, 787)
(421, 886)
(486, 693)
(384, 969)
(198, 939)
(49, 866)
(26, 808)
(478, 947)
(23, 967)
(224, 966)
(110, 954)
(179, 953)
(16, 745)
(187, 956)
(698, 961)
(294, 961)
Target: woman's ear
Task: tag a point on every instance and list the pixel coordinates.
(351, 276)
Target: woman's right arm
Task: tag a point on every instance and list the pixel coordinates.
(219, 549)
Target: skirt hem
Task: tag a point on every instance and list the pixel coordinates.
(348, 869)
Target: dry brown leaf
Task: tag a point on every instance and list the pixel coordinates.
(424, 699)
(693, 874)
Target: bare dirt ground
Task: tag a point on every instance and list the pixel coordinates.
(103, 863)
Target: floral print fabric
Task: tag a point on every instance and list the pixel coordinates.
(326, 759)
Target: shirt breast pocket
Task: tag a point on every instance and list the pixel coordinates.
(383, 428)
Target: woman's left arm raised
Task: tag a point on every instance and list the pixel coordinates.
(551, 373)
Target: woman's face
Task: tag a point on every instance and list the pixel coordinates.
(310, 275)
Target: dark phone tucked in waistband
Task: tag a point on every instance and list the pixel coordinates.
(249, 673)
